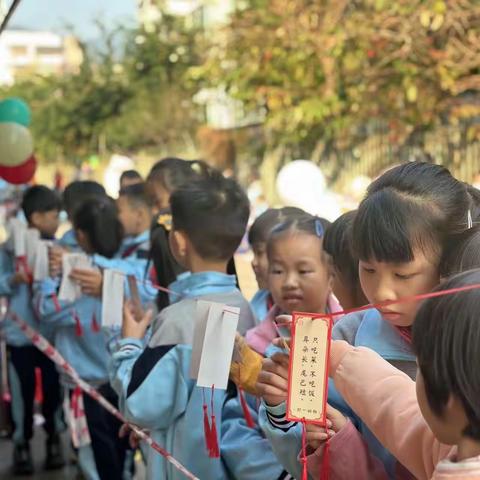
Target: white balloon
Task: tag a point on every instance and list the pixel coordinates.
(302, 184)
(16, 144)
(111, 177)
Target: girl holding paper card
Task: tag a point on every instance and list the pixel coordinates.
(411, 214)
(81, 341)
(299, 276)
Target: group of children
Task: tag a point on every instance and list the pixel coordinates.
(404, 388)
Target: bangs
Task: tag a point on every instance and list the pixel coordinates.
(389, 226)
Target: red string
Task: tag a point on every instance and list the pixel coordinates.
(206, 424)
(325, 469)
(304, 451)
(412, 298)
(56, 302)
(214, 448)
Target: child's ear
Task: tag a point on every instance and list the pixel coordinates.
(178, 244)
(454, 412)
(35, 219)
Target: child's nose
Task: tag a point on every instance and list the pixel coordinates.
(383, 293)
(291, 281)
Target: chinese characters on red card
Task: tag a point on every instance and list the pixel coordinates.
(308, 377)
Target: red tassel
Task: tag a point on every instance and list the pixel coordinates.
(38, 386)
(78, 325)
(246, 410)
(214, 448)
(206, 424)
(56, 302)
(324, 473)
(304, 451)
(95, 326)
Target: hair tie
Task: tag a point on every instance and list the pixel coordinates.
(469, 219)
(319, 230)
(165, 220)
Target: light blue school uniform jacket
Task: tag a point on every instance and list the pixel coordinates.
(154, 384)
(86, 353)
(246, 453)
(69, 241)
(259, 304)
(20, 302)
(361, 329)
(132, 259)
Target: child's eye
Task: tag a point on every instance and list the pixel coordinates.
(368, 270)
(304, 272)
(275, 271)
(403, 277)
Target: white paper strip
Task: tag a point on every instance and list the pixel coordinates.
(112, 298)
(69, 289)
(40, 269)
(218, 347)
(32, 238)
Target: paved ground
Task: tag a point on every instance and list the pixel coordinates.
(248, 285)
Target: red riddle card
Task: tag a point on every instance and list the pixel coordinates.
(308, 371)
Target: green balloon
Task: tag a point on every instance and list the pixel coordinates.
(15, 110)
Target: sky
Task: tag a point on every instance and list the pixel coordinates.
(56, 14)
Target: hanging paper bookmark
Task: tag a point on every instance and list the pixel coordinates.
(69, 289)
(40, 268)
(112, 298)
(32, 238)
(308, 371)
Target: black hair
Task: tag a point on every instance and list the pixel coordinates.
(415, 205)
(264, 223)
(446, 341)
(338, 244)
(303, 223)
(463, 254)
(136, 195)
(213, 211)
(78, 191)
(172, 172)
(40, 199)
(130, 175)
(166, 267)
(97, 217)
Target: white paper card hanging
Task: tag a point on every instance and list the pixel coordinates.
(69, 289)
(218, 348)
(112, 298)
(40, 269)
(202, 312)
(18, 232)
(32, 238)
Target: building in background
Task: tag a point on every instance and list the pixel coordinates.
(27, 52)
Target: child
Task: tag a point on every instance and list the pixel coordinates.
(401, 229)
(338, 244)
(130, 177)
(299, 275)
(262, 302)
(209, 219)
(41, 207)
(446, 340)
(135, 215)
(168, 174)
(79, 339)
(75, 193)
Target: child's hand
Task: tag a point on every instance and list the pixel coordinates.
(55, 258)
(316, 435)
(131, 328)
(19, 278)
(272, 383)
(133, 438)
(90, 281)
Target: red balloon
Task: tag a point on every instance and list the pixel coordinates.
(21, 173)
